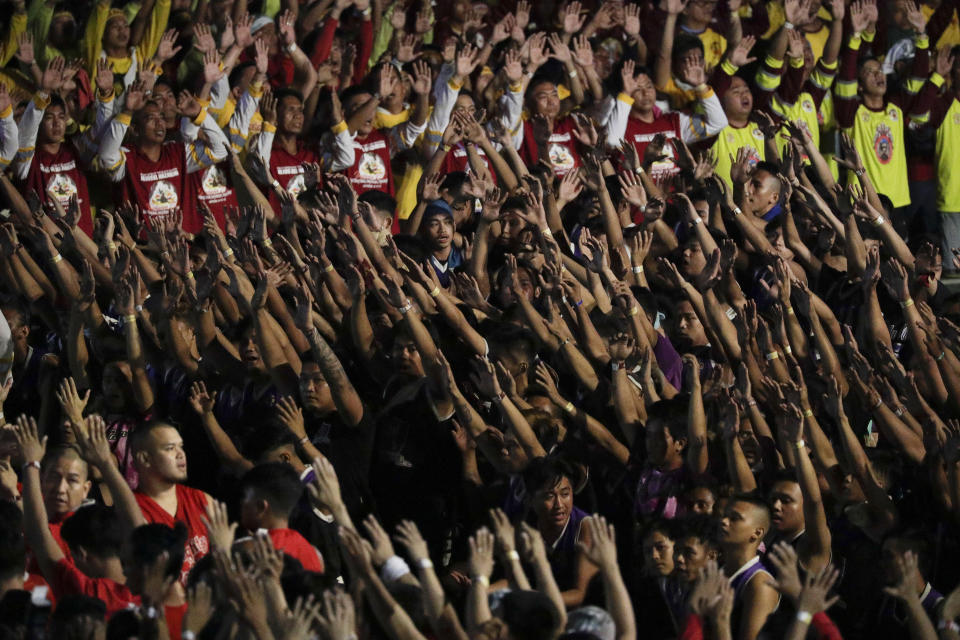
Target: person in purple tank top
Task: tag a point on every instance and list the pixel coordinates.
(745, 522)
(550, 484)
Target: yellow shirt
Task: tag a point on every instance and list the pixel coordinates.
(714, 46)
(386, 120)
(951, 35)
(817, 39)
(948, 170)
(878, 136)
(729, 141)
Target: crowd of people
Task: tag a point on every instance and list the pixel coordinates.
(341, 318)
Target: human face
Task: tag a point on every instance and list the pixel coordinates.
(352, 106)
(116, 385)
(268, 34)
(872, 79)
(688, 326)
(700, 501)
(553, 505)
(657, 554)
(690, 556)
(314, 390)
(737, 525)
(116, 35)
(692, 260)
(405, 357)
(64, 484)
(786, 507)
(153, 124)
(738, 101)
(546, 100)
(761, 192)
(440, 232)
(168, 102)
(662, 450)
(511, 225)
(700, 11)
(53, 126)
(250, 352)
(165, 456)
(644, 96)
(290, 115)
(464, 103)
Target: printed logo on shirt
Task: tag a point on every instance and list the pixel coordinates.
(62, 187)
(560, 157)
(296, 185)
(289, 171)
(753, 156)
(163, 197)
(956, 118)
(883, 143)
(58, 168)
(371, 168)
(159, 175)
(892, 114)
(214, 182)
(756, 133)
(373, 146)
(807, 105)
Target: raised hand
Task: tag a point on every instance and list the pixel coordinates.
(32, 446)
(220, 530)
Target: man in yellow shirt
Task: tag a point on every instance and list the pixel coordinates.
(125, 44)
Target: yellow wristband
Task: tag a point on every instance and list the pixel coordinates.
(568, 408)
(435, 293)
(808, 413)
(267, 243)
(131, 319)
(189, 275)
(773, 355)
(228, 253)
(800, 444)
(328, 268)
(908, 303)
(547, 233)
(789, 311)
(633, 311)
(57, 258)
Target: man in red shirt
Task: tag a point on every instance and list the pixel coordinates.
(268, 493)
(162, 465)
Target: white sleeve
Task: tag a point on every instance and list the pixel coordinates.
(201, 155)
(239, 125)
(445, 97)
(616, 121)
(405, 134)
(344, 154)
(29, 126)
(110, 155)
(219, 93)
(264, 144)
(696, 127)
(10, 139)
(6, 349)
(512, 104)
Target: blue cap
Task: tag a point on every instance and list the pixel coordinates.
(438, 207)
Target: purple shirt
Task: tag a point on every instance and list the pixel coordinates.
(668, 360)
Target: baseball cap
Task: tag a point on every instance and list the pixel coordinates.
(438, 207)
(260, 23)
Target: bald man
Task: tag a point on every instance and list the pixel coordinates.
(746, 520)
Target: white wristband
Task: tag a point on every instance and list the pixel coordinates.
(393, 569)
(804, 617)
(788, 25)
(292, 47)
(513, 555)
(425, 563)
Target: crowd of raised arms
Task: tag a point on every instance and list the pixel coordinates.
(504, 320)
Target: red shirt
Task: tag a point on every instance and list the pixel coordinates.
(287, 169)
(371, 164)
(562, 147)
(58, 174)
(161, 187)
(458, 160)
(191, 507)
(296, 546)
(640, 134)
(67, 580)
(214, 188)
